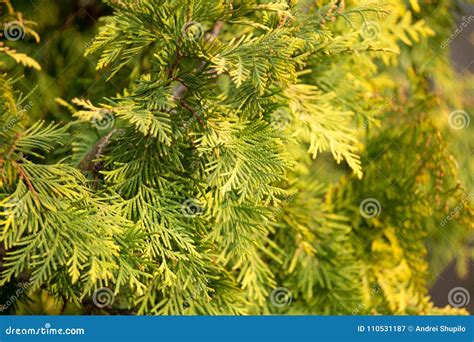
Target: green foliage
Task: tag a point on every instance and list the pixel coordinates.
(207, 180)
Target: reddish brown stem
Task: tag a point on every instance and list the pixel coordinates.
(188, 107)
(26, 179)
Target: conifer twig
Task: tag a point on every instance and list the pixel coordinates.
(196, 115)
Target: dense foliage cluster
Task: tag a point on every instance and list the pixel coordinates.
(236, 155)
